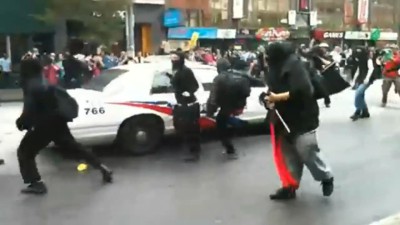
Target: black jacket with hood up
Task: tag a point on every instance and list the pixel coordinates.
(184, 81)
(289, 74)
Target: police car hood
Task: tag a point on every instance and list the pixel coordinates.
(80, 93)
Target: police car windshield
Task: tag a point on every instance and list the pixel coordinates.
(100, 82)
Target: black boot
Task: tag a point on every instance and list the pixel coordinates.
(107, 174)
(192, 156)
(38, 188)
(231, 152)
(283, 194)
(327, 187)
(365, 114)
(356, 115)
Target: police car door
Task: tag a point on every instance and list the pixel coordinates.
(254, 111)
(162, 94)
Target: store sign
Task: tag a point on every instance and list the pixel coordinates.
(388, 36)
(237, 9)
(187, 32)
(357, 35)
(226, 33)
(272, 34)
(173, 18)
(333, 35)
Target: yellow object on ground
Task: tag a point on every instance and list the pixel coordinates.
(82, 167)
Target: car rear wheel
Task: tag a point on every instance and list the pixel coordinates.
(140, 135)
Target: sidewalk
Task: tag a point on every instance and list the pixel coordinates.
(392, 220)
(10, 95)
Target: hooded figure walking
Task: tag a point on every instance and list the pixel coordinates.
(186, 113)
(295, 144)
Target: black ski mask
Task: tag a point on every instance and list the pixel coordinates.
(177, 60)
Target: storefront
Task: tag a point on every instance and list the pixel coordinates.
(149, 31)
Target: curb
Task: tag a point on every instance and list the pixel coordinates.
(391, 220)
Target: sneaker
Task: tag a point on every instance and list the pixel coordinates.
(356, 115)
(38, 188)
(327, 187)
(107, 174)
(365, 114)
(283, 194)
(232, 155)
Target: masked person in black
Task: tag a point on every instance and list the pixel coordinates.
(45, 123)
(229, 93)
(187, 111)
(294, 115)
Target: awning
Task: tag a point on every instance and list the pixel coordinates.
(18, 17)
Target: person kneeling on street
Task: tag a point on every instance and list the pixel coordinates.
(229, 93)
(294, 117)
(46, 112)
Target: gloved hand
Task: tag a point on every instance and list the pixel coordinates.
(21, 124)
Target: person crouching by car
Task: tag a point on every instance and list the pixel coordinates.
(186, 113)
(291, 94)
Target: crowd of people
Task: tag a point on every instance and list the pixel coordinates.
(54, 71)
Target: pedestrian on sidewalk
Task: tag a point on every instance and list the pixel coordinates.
(295, 144)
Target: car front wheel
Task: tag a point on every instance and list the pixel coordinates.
(140, 135)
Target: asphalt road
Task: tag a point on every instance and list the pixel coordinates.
(159, 189)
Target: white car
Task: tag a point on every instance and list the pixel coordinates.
(132, 106)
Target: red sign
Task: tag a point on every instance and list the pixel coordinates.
(272, 34)
(304, 5)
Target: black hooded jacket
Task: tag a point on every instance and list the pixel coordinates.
(38, 104)
(184, 81)
(289, 74)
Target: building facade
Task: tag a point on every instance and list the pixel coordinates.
(149, 31)
(196, 13)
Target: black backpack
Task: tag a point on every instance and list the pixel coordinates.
(233, 88)
(65, 105)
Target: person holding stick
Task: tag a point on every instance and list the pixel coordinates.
(294, 119)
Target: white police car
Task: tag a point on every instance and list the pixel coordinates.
(133, 104)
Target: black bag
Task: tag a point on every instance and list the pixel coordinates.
(232, 90)
(65, 105)
(333, 80)
(186, 118)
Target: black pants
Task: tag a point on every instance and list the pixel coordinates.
(225, 134)
(186, 123)
(34, 141)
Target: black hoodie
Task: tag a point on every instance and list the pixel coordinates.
(184, 81)
(289, 74)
